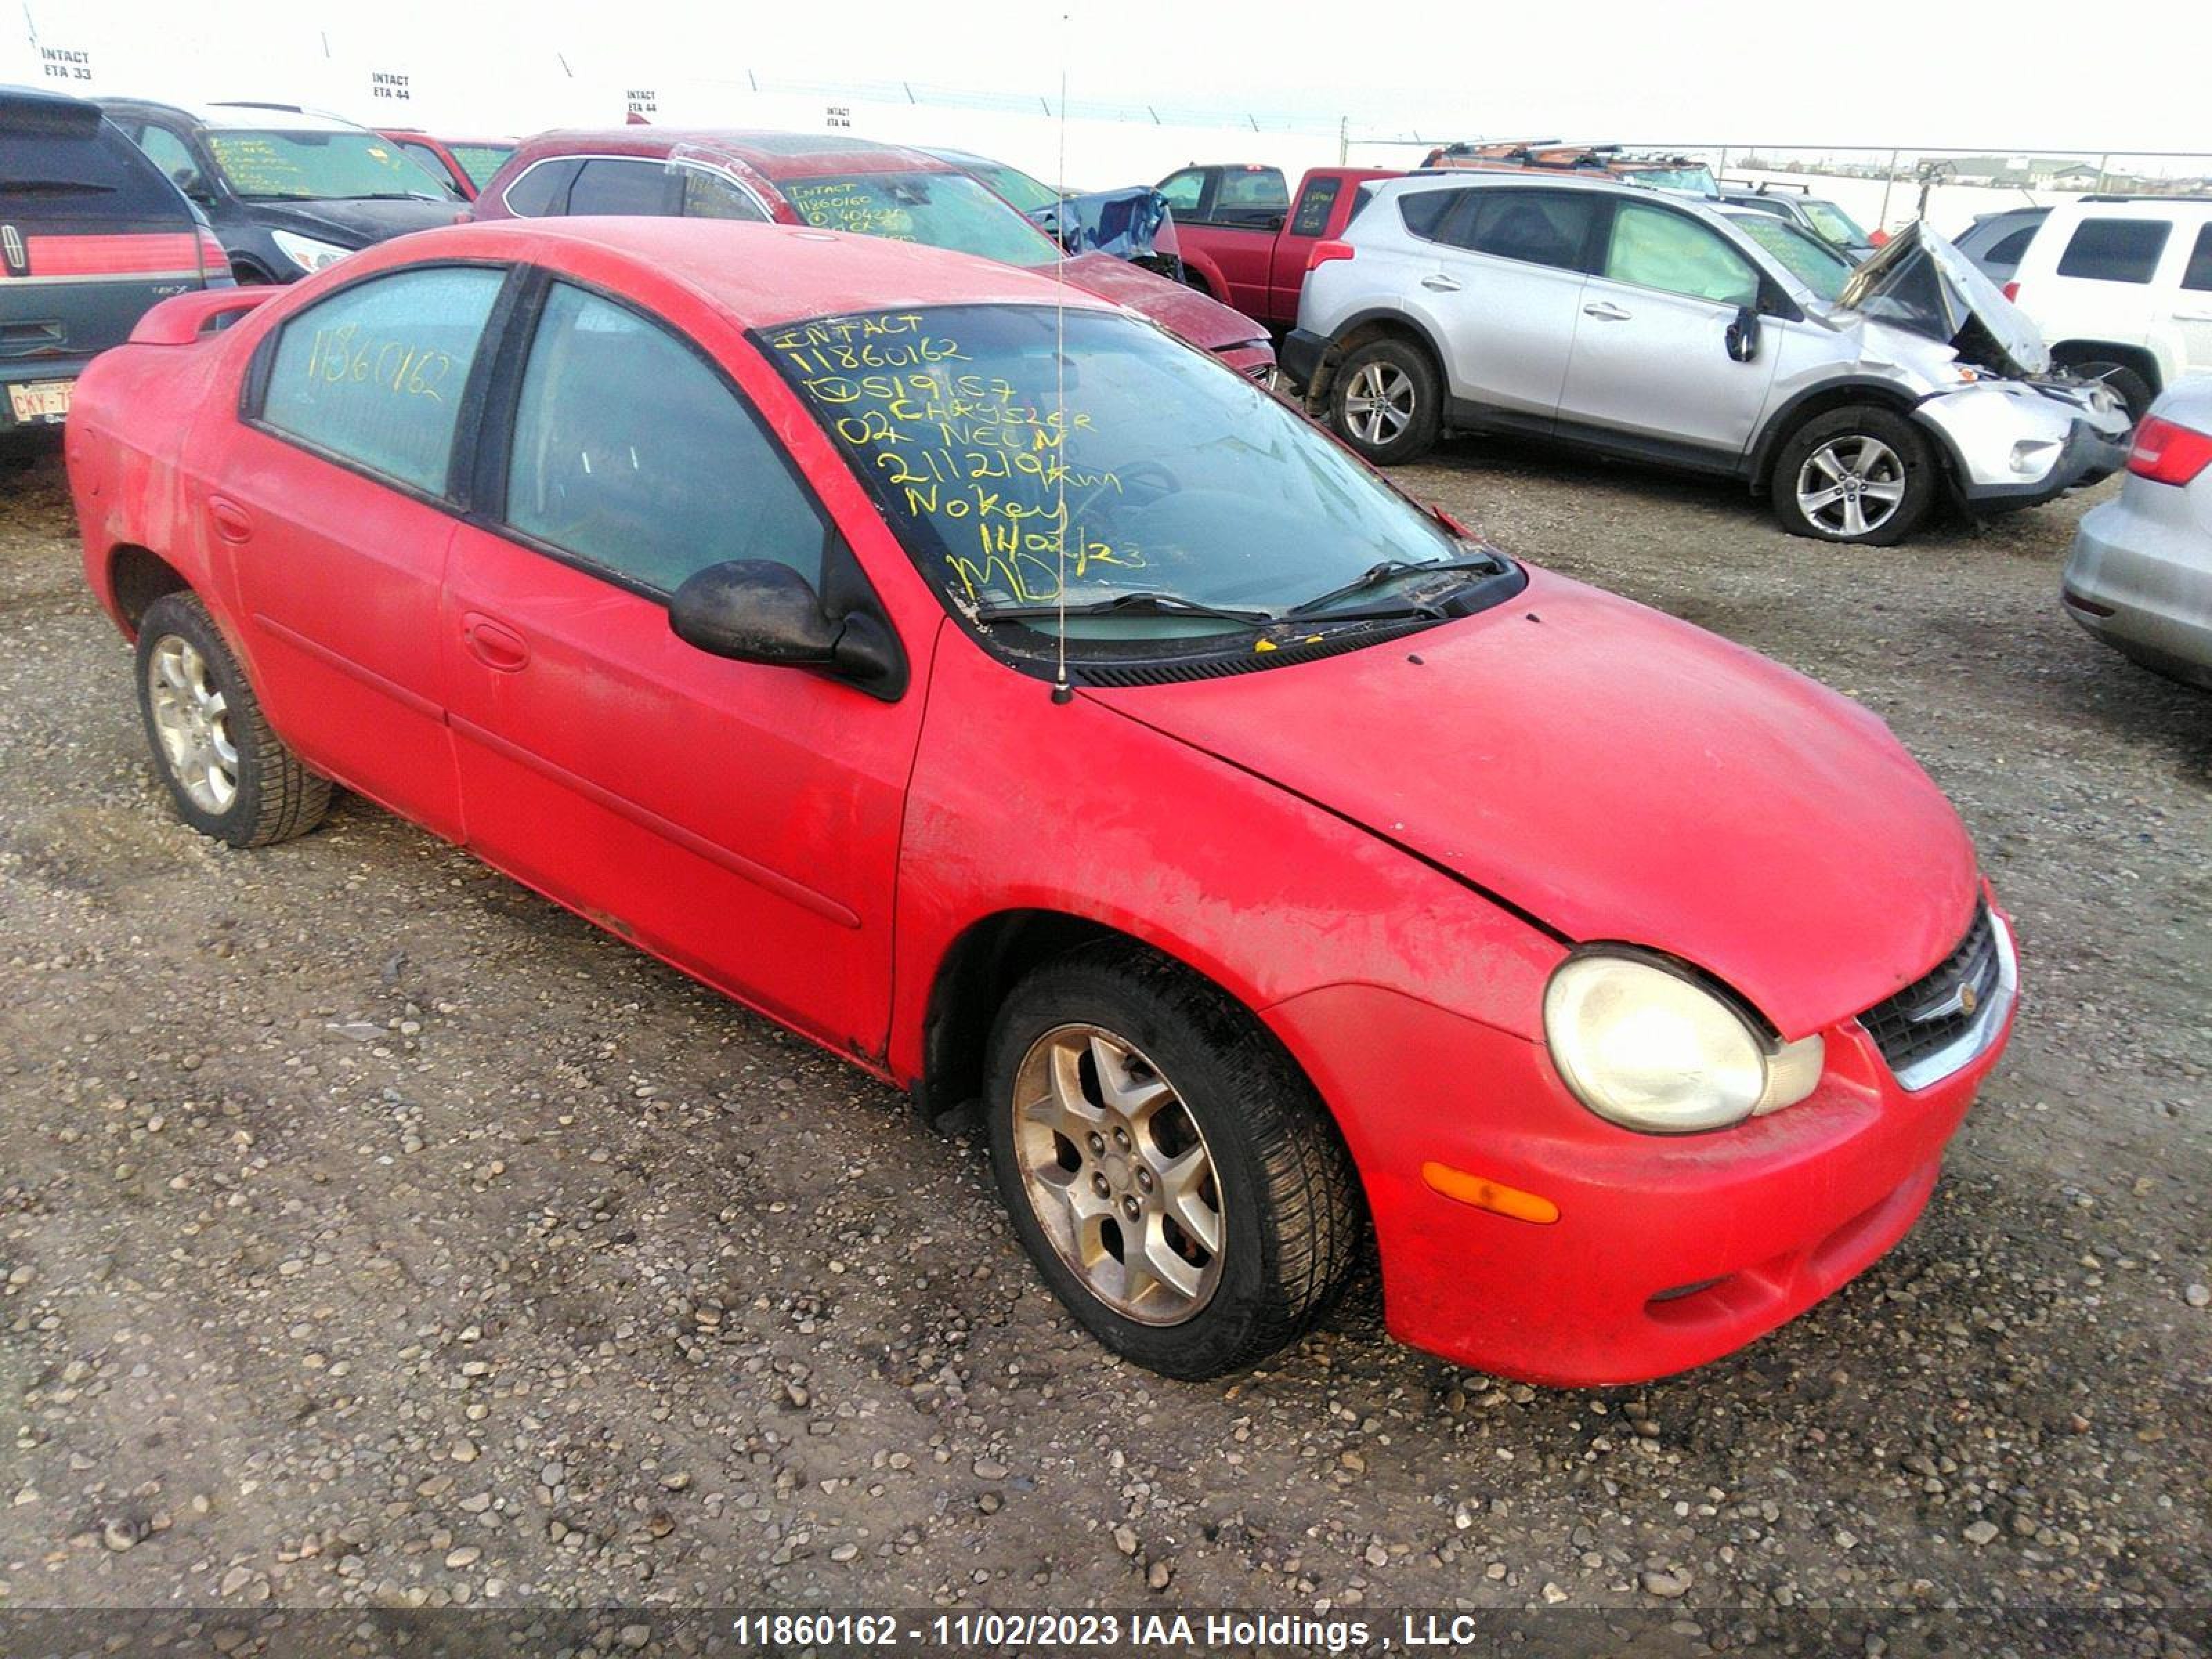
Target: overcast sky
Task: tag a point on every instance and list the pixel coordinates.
(2009, 76)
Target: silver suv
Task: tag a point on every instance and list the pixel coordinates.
(1621, 320)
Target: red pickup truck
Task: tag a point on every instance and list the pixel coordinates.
(1245, 243)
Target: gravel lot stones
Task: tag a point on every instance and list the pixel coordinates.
(377, 1236)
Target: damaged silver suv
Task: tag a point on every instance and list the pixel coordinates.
(1621, 320)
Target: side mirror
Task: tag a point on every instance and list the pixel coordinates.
(1743, 335)
(757, 610)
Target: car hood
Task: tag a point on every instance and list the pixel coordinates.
(1618, 774)
(1183, 312)
(351, 223)
(1919, 281)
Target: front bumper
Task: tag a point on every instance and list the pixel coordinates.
(2013, 445)
(2140, 579)
(1669, 1251)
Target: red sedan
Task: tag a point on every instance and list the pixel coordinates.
(1039, 714)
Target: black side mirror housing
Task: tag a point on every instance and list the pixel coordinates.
(758, 610)
(1743, 335)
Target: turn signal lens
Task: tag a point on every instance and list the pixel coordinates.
(2169, 453)
(1491, 1196)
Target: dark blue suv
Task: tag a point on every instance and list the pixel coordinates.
(91, 236)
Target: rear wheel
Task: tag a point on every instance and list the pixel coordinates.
(1386, 402)
(232, 777)
(1860, 474)
(1169, 1171)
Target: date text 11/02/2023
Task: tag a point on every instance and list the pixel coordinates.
(1267, 1632)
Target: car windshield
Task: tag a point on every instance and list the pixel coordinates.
(1030, 195)
(1182, 485)
(941, 210)
(301, 167)
(1810, 260)
(480, 161)
(1833, 222)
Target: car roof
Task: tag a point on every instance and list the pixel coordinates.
(774, 155)
(1477, 179)
(761, 274)
(34, 100)
(243, 115)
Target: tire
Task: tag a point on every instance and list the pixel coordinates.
(1863, 445)
(197, 708)
(1220, 1124)
(2128, 384)
(1386, 402)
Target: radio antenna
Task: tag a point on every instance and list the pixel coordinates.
(1062, 690)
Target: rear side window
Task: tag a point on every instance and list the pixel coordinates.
(2199, 272)
(1257, 190)
(710, 196)
(1537, 227)
(76, 165)
(1314, 204)
(2011, 247)
(629, 188)
(2115, 249)
(1424, 210)
(543, 191)
(634, 454)
(373, 375)
(1652, 247)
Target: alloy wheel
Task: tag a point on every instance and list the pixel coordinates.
(1119, 1175)
(1378, 404)
(193, 718)
(1850, 485)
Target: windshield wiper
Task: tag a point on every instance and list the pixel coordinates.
(1144, 603)
(1389, 571)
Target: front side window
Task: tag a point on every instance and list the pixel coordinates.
(1171, 475)
(635, 455)
(373, 375)
(307, 166)
(938, 210)
(1652, 247)
(2115, 249)
(629, 189)
(1535, 226)
(169, 154)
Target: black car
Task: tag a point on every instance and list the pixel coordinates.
(289, 190)
(91, 236)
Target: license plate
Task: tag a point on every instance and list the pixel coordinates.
(42, 402)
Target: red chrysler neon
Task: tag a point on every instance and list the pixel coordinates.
(1034, 711)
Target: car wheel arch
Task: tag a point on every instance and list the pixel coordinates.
(1816, 401)
(2142, 359)
(137, 576)
(1365, 329)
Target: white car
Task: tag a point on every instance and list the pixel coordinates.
(1620, 320)
(2121, 289)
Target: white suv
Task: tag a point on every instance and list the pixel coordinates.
(1623, 320)
(2122, 287)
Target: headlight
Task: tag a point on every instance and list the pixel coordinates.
(305, 252)
(1644, 1045)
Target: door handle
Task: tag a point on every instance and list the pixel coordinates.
(2192, 316)
(1440, 284)
(1606, 312)
(232, 522)
(496, 645)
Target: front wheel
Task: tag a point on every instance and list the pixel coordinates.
(1861, 475)
(1169, 1171)
(2125, 384)
(1386, 402)
(231, 776)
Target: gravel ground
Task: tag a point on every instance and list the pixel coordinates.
(375, 1234)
